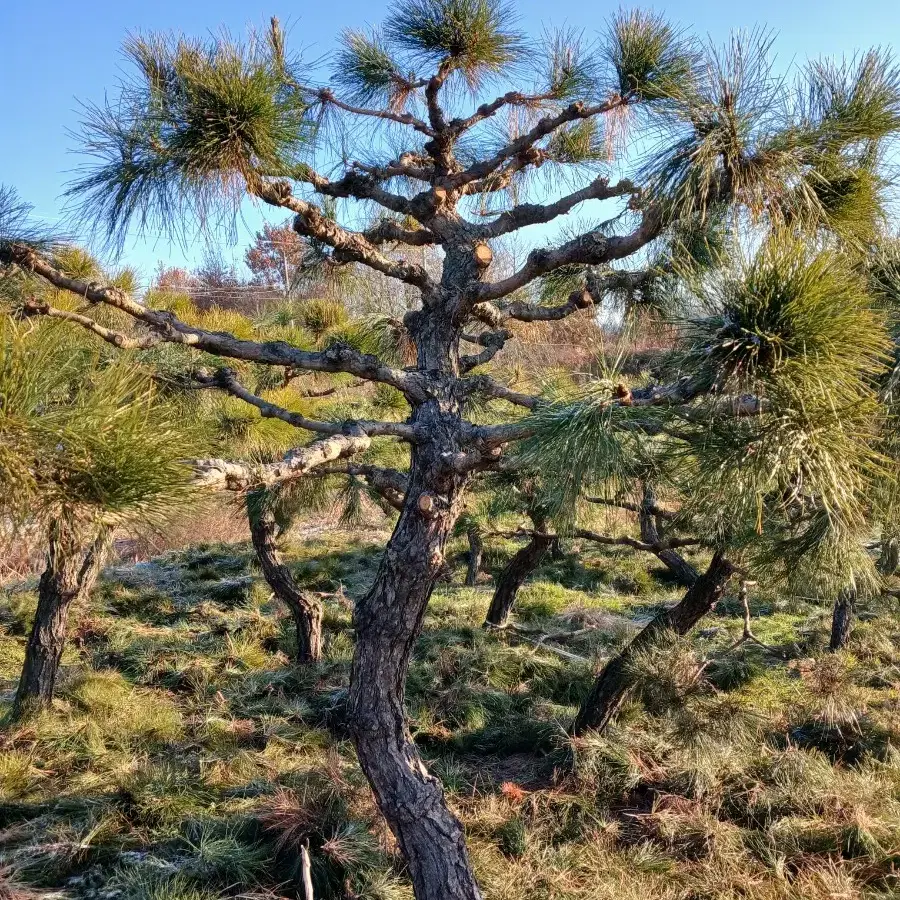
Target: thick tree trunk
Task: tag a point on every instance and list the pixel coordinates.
(612, 686)
(476, 551)
(683, 571)
(387, 621)
(306, 610)
(842, 619)
(70, 573)
(517, 570)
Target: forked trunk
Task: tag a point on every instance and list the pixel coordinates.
(685, 574)
(71, 571)
(842, 619)
(476, 551)
(517, 570)
(613, 684)
(387, 621)
(305, 609)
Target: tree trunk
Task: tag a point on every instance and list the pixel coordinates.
(476, 550)
(889, 559)
(306, 610)
(685, 574)
(70, 573)
(387, 621)
(515, 573)
(842, 619)
(613, 685)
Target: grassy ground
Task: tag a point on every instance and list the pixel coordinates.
(185, 759)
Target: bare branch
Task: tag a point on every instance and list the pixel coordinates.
(653, 508)
(351, 245)
(391, 484)
(226, 379)
(537, 213)
(489, 387)
(493, 342)
(221, 474)
(401, 118)
(547, 125)
(591, 249)
(117, 338)
(171, 330)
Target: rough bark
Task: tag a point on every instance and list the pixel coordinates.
(73, 563)
(613, 685)
(305, 609)
(476, 551)
(387, 621)
(683, 571)
(517, 570)
(842, 619)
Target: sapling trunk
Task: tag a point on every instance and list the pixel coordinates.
(305, 609)
(525, 561)
(613, 684)
(842, 619)
(476, 551)
(74, 561)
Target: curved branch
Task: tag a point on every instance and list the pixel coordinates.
(226, 379)
(170, 329)
(591, 249)
(537, 213)
(352, 245)
(489, 387)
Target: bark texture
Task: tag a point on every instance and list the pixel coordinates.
(613, 685)
(306, 609)
(73, 564)
(517, 570)
(842, 619)
(387, 621)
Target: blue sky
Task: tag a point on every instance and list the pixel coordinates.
(57, 52)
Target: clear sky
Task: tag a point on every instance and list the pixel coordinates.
(54, 53)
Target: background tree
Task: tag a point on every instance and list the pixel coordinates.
(86, 449)
(204, 122)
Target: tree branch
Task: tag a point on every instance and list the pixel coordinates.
(226, 379)
(325, 95)
(171, 330)
(545, 126)
(537, 213)
(117, 338)
(221, 474)
(351, 245)
(591, 249)
(489, 387)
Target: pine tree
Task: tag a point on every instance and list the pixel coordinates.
(462, 132)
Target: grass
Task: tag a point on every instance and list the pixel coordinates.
(185, 759)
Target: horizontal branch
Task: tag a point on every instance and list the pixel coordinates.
(117, 338)
(653, 508)
(170, 329)
(221, 474)
(226, 379)
(325, 95)
(538, 213)
(489, 387)
(608, 540)
(591, 249)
